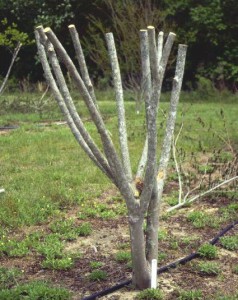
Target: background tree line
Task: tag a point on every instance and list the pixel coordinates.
(209, 27)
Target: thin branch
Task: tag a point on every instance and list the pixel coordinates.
(146, 87)
(15, 53)
(176, 163)
(81, 60)
(120, 105)
(202, 194)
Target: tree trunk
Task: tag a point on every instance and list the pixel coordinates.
(140, 266)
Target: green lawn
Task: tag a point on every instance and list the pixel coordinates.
(43, 170)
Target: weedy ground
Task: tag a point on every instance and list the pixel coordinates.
(63, 225)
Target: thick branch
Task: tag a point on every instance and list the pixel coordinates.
(120, 105)
(81, 61)
(151, 116)
(161, 68)
(177, 83)
(146, 88)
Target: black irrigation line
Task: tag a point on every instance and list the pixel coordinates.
(11, 127)
(163, 269)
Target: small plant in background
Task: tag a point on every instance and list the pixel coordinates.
(51, 247)
(162, 256)
(98, 275)
(14, 248)
(230, 242)
(123, 256)
(235, 269)
(8, 277)
(96, 264)
(58, 263)
(190, 295)
(208, 251)
(198, 219)
(162, 234)
(209, 268)
(84, 229)
(150, 294)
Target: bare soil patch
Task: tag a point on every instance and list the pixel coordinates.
(108, 236)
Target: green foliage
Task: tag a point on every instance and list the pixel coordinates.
(10, 35)
(13, 248)
(190, 295)
(98, 275)
(35, 291)
(63, 263)
(230, 242)
(51, 247)
(201, 219)
(209, 268)
(8, 277)
(235, 269)
(84, 229)
(208, 251)
(96, 264)
(123, 256)
(150, 294)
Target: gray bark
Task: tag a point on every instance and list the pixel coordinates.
(81, 61)
(166, 148)
(146, 88)
(120, 105)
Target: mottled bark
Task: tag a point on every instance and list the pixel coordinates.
(169, 131)
(146, 88)
(116, 75)
(81, 61)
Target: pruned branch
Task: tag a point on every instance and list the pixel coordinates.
(120, 105)
(169, 131)
(81, 61)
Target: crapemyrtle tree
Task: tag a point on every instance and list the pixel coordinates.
(142, 192)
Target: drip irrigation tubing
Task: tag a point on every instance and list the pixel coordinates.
(3, 128)
(163, 269)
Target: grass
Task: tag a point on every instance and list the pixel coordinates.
(208, 268)
(45, 173)
(150, 294)
(98, 275)
(230, 242)
(35, 290)
(190, 295)
(208, 251)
